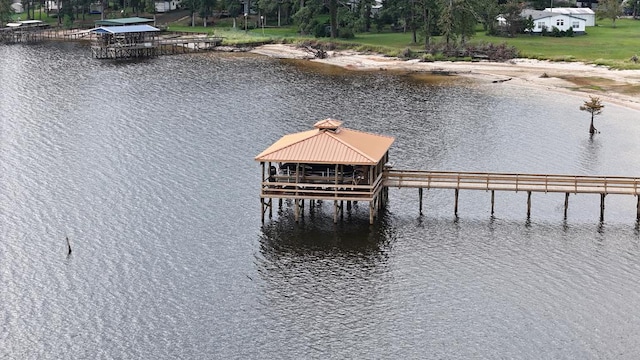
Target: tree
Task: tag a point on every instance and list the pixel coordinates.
(5, 11)
(609, 9)
(594, 106)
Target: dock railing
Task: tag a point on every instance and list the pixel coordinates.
(512, 182)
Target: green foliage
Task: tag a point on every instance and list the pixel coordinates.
(609, 9)
(5, 11)
(346, 33)
(594, 107)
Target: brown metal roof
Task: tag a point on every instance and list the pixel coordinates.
(328, 143)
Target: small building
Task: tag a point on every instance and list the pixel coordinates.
(327, 163)
(125, 42)
(546, 20)
(165, 6)
(584, 13)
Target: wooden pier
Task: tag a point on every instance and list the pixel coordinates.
(342, 165)
(541, 183)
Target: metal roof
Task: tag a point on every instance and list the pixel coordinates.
(572, 11)
(328, 143)
(124, 29)
(124, 21)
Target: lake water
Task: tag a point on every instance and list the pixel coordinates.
(147, 167)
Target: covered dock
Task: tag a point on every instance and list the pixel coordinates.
(125, 42)
(26, 31)
(327, 163)
(125, 21)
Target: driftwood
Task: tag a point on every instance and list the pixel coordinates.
(317, 53)
(501, 81)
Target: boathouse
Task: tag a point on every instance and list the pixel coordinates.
(125, 42)
(327, 163)
(26, 31)
(125, 21)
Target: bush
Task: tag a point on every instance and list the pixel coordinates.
(569, 32)
(320, 31)
(406, 53)
(427, 58)
(346, 33)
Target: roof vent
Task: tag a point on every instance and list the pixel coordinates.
(328, 124)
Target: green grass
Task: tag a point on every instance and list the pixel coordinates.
(603, 44)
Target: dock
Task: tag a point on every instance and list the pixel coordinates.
(336, 164)
(529, 183)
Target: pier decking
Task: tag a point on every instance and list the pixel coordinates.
(543, 183)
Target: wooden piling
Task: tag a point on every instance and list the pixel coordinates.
(566, 204)
(455, 208)
(493, 200)
(528, 204)
(638, 208)
(420, 197)
(602, 207)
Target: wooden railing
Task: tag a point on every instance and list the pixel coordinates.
(321, 188)
(512, 182)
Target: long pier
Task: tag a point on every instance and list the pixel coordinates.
(542, 183)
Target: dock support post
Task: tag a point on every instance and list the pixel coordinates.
(455, 208)
(262, 208)
(270, 204)
(420, 196)
(296, 210)
(371, 210)
(335, 211)
(528, 204)
(638, 208)
(602, 207)
(341, 209)
(493, 200)
(566, 204)
(280, 203)
(349, 206)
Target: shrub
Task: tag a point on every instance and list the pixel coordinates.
(427, 58)
(569, 32)
(406, 53)
(345, 33)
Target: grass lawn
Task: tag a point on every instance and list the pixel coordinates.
(603, 44)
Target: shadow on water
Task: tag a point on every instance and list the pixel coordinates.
(317, 234)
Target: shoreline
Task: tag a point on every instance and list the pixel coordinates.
(619, 87)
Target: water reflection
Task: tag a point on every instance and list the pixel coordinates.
(590, 151)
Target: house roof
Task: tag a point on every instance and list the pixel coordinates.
(328, 143)
(572, 11)
(124, 21)
(124, 29)
(538, 14)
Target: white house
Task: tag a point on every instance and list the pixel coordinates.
(549, 19)
(17, 6)
(164, 6)
(583, 13)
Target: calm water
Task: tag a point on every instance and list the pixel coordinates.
(148, 168)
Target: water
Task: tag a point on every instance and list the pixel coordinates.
(148, 168)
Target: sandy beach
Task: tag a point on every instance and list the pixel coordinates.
(621, 87)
